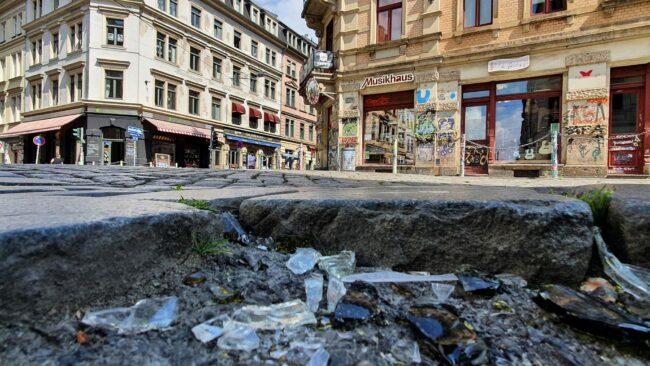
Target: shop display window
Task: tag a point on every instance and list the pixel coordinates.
(381, 129)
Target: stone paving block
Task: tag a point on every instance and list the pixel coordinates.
(627, 228)
(542, 238)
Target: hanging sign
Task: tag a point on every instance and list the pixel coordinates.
(388, 79)
(312, 91)
(38, 140)
(509, 64)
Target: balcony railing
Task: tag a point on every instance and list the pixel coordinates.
(322, 61)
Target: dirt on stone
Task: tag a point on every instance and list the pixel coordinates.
(515, 330)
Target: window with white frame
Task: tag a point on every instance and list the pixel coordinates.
(237, 5)
(218, 29)
(56, 4)
(76, 36)
(159, 93)
(3, 29)
(16, 107)
(195, 59)
(171, 50)
(256, 16)
(162, 5)
(114, 84)
(311, 133)
(75, 87)
(236, 76)
(173, 8)
(196, 17)
(171, 96)
(288, 127)
(269, 127)
(216, 68)
(273, 57)
(291, 98)
(37, 51)
(161, 39)
(254, 49)
(55, 45)
(115, 32)
(253, 83)
(237, 39)
(37, 8)
(193, 103)
(269, 89)
(36, 96)
(216, 109)
(54, 91)
(167, 44)
(291, 69)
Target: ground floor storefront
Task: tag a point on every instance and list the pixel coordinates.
(498, 116)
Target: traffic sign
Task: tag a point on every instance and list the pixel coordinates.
(39, 140)
(135, 132)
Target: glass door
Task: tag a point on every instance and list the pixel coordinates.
(474, 126)
(625, 124)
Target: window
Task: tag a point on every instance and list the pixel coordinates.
(114, 84)
(55, 45)
(269, 127)
(196, 17)
(160, 45)
(2, 109)
(291, 98)
(236, 118)
(273, 57)
(269, 89)
(291, 69)
(56, 4)
(237, 40)
(302, 131)
(256, 16)
(237, 5)
(216, 109)
(76, 34)
(173, 7)
(254, 49)
(195, 59)
(171, 97)
(253, 83)
(36, 96)
(37, 51)
(477, 13)
(159, 95)
(3, 29)
(38, 8)
(216, 68)
(268, 56)
(288, 127)
(311, 133)
(15, 107)
(389, 20)
(194, 102)
(54, 92)
(218, 29)
(171, 54)
(72, 88)
(115, 32)
(236, 73)
(161, 5)
(547, 6)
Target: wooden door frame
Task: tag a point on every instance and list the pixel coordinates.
(486, 142)
(639, 90)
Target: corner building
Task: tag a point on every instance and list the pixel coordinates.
(504, 74)
(175, 69)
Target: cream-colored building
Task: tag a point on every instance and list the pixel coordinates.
(504, 74)
(177, 72)
(12, 46)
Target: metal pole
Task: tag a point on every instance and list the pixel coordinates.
(135, 152)
(554, 162)
(82, 140)
(38, 153)
(300, 157)
(462, 155)
(435, 153)
(395, 155)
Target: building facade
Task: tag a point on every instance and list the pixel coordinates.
(12, 81)
(174, 74)
(503, 74)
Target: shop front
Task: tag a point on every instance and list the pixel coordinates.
(175, 143)
(246, 151)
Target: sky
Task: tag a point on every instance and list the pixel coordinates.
(289, 13)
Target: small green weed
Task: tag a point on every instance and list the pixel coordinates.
(200, 204)
(178, 188)
(598, 200)
(205, 247)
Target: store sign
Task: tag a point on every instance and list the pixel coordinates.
(312, 91)
(162, 160)
(388, 80)
(509, 64)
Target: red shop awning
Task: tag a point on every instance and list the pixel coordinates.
(179, 129)
(268, 117)
(254, 113)
(238, 108)
(44, 125)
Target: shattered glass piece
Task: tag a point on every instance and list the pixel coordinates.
(428, 327)
(591, 315)
(223, 295)
(278, 354)
(211, 329)
(600, 288)
(284, 315)
(478, 286)
(512, 280)
(145, 315)
(406, 351)
(194, 279)
(239, 338)
(466, 354)
(303, 260)
(359, 305)
(314, 291)
(319, 358)
(335, 291)
(339, 265)
(441, 292)
(397, 277)
(622, 274)
(351, 312)
(233, 229)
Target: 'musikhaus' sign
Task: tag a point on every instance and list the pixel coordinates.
(387, 80)
(509, 64)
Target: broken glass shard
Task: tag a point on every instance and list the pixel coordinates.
(406, 351)
(303, 260)
(634, 280)
(194, 279)
(223, 295)
(284, 315)
(239, 338)
(319, 358)
(314, 291)
(396, 277)
(335, 291)
(211, 329)
(359, 305)
(478, 286)
(339, 265)
(145, 315)
(233, 230)
(441, 292)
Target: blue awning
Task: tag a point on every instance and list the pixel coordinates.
(251, 141)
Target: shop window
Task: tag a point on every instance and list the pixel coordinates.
(624, 111)
(477, 13)
(218, 29)
(389, 117)
(476, 94)
(114, 80)
(196, 17)
(159, 93)
(216, 68)
(193, 103)
(233, 157)
(195, 59)
(550, 84)
(171, 97)
(389, 20)
(547, 6)
(113, 133)
(115, 32)
(216, 109)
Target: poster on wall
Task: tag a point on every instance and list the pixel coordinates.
(162, 160)
(349, 159)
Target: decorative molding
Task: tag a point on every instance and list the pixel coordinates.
(588, 58)
(165, 75)
(449, 76)
(113, 63)
(74, 65)
(585, 94)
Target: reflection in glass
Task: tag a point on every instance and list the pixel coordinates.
(530, 86)
(470, 13)
(396, 30)
(475, 122)
(381, 129)
(624, 111)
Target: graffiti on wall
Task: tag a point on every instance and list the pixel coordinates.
(587, 112)
(598, 131)
(425, 151)
(425, 126)
(585, 150)
(333, 152)
(446, 137)
(476, 156)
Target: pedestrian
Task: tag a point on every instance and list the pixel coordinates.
(56, 160)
